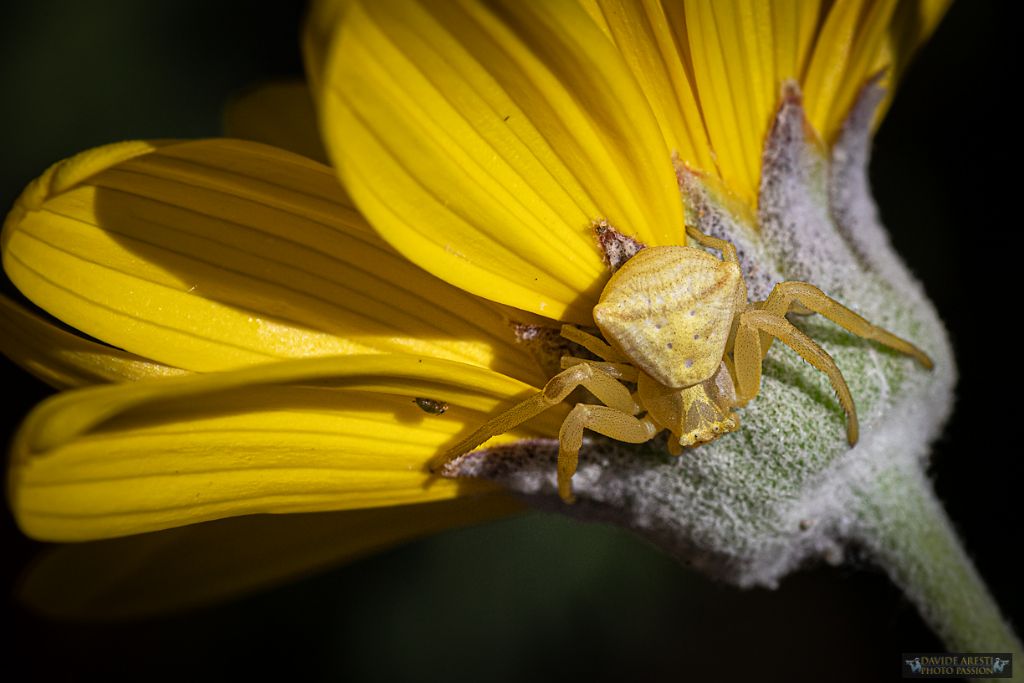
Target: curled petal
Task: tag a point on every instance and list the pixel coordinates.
(218, 254)
(301, 436)
(65, 360)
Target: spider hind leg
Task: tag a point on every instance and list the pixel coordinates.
(800, 296)
(748, 355)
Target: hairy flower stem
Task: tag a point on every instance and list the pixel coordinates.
(906, 531)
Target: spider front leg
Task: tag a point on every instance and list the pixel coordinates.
(785, 294)
(607, 390)
(748, 356)
(624, 372)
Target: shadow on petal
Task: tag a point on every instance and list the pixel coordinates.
(180, 569)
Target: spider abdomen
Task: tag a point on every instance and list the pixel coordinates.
(670, 310)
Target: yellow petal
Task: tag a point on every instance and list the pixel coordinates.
(734, 67)
(645, 36)
(222, 253)
(794, 23)
(278, 114)
(178, 569)
(65, 360)
(301, 436)
(846, 51)
(482, 141)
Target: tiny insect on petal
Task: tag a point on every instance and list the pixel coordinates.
(432, 406)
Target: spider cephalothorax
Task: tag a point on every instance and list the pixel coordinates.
(678, 324)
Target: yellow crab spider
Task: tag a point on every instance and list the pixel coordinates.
(678, 324)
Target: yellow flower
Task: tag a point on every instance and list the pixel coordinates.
(480, 141)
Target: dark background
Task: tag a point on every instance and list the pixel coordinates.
(541, 597)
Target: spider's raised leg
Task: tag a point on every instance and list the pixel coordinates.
(609, 391)
(747, 355)
(603, 420)
(612, 362)
(785, 294)
(724, 246)
(591, 343)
